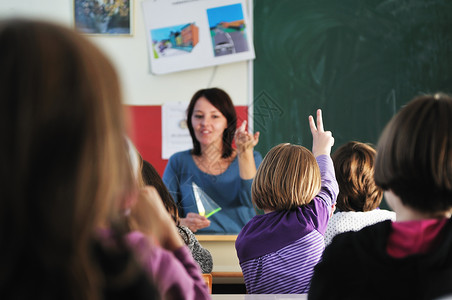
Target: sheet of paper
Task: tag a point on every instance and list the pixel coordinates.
(175, 133)
(190, 34)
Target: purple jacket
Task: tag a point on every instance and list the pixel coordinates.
(278, 251)
(176, 274)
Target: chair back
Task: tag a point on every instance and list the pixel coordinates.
(208, 280)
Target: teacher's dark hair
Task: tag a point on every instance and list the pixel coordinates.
(221, 100)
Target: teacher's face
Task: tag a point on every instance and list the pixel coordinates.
(208, 123)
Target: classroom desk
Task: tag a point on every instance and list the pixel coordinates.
(259, 297)
(226, 267)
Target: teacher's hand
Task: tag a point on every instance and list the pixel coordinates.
(194, 222)
(245, 140)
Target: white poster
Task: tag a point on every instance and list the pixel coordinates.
(190, 34)
(175, 133)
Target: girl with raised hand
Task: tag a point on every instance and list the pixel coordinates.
(296, 188)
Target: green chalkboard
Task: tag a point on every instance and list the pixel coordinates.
(357, 60)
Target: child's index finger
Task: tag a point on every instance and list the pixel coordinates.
(312, 125)
(320, 121)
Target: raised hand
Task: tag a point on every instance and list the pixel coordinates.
(245, 140)
(322, 140)
(149, 216)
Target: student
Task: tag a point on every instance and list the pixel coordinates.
(162, 252)
(225, 174)
(64, 170)
(200, 254)
(359, 196)
(410, 258)
(66, 175)
(296, 189)
(155, 239)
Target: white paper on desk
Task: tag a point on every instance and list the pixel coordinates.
(189, 34)
(175, 133)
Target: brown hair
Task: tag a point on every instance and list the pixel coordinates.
(354, 167)
(221, 100)
(288, 177)
(152, 177)
(65, 168)
(414, 154)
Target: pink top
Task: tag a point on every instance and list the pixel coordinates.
(414, 237)
(176, 274)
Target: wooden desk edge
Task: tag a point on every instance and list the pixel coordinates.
(227, 274)
(216, 238)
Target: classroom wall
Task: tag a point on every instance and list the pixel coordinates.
(129, 55)
(144, 93)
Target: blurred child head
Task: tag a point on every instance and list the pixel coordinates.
(152, 177)
(62, 105)
(414, 154)
(145, 174)
(64, 166)
(288, 177)
(354, 167)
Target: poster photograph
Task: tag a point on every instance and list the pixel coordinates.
(174, 40)
(227, 29)
(184, 35)
(103, 17)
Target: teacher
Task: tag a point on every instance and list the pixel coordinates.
(223, 173)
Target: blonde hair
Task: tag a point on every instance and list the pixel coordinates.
(288, 177)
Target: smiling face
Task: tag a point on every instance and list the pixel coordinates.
(208, 124)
